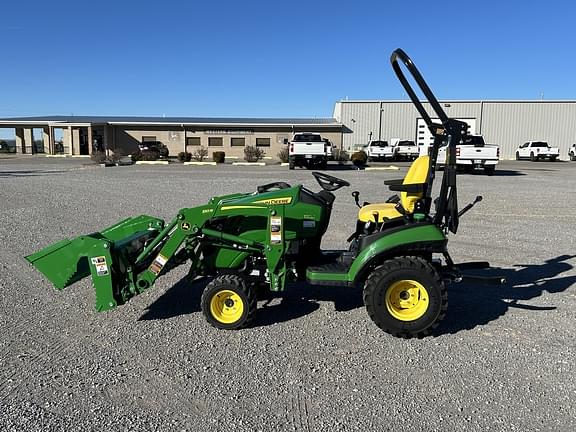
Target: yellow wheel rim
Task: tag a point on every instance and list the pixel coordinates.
(226, 307)
(407, 300)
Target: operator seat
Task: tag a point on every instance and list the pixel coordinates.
(412, 188)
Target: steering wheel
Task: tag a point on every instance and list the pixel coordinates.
(275, 185)
(328, 182)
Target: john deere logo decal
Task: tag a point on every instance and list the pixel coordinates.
(185, 226)
(286, 200)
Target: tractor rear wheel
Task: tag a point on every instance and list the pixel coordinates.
(406, 297)
(228, 302)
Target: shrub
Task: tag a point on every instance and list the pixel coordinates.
(218, 156)
(340, 155)
(146, 155)
(99, 157)
(184, 157)
(253, 154)
(283, 155)
(359, 158)
(200, 154)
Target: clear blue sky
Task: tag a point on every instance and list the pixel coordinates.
(274, 59)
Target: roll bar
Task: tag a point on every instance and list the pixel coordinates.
(450, 131)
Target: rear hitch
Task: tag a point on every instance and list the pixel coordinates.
(455, 273)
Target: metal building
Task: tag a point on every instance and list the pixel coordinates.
(506, 123)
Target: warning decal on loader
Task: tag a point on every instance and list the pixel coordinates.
(158, 264)
(100, 264)
(275, 229)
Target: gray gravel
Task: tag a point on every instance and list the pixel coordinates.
(502, 360)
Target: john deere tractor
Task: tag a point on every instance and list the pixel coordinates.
(271, 236)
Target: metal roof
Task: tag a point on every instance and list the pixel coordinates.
(522, 101)
(129, 120)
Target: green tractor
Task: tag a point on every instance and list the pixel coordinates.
(269, 237)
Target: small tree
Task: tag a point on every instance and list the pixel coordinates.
(253, 154)
(200, 154)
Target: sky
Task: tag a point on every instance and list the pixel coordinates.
(274, 59)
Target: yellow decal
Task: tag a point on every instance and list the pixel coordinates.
(286, 200)
(241, 207)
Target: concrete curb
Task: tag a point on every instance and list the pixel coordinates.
(284, 164)
(55, 156)
(200, 163)
(249, 163)
(388, 168)
(152, 162)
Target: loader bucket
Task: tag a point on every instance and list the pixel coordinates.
(107, 255)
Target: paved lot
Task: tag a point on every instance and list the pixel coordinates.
(502, 360)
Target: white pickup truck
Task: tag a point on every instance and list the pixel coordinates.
(405, 149)
(473, 153)
(307, 149)
(535, 150)
(380, 150)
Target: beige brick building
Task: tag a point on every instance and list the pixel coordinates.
(81, 135)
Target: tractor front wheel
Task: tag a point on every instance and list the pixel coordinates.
(228, 302)
(406, 297)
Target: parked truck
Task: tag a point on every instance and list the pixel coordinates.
(473, 153)
(405, 149)
(380, 150)
(307, 150)
(537, 150)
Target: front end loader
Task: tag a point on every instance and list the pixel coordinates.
(269, 237)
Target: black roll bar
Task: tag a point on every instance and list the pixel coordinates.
(450, 131)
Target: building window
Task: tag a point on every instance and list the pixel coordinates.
(193, 141)
(215, 141)
(148, 138)
(237, 142)
(262, 142)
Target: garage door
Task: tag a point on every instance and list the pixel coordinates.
(424, 137)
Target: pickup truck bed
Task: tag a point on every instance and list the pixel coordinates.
(474, 154)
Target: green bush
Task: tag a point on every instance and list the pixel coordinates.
(359, 158)
(184, 157)
(253, 154)
(218, 156)
(200, 154)
(283, 155)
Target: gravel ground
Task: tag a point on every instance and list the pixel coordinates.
(503, 359)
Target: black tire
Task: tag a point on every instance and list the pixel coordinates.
(573, 157)
(400, 274)
(552, 158)
(489, 170)
(517, 156)
(323, 165)
(290, 163)
(532, 157)
(222, 300)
